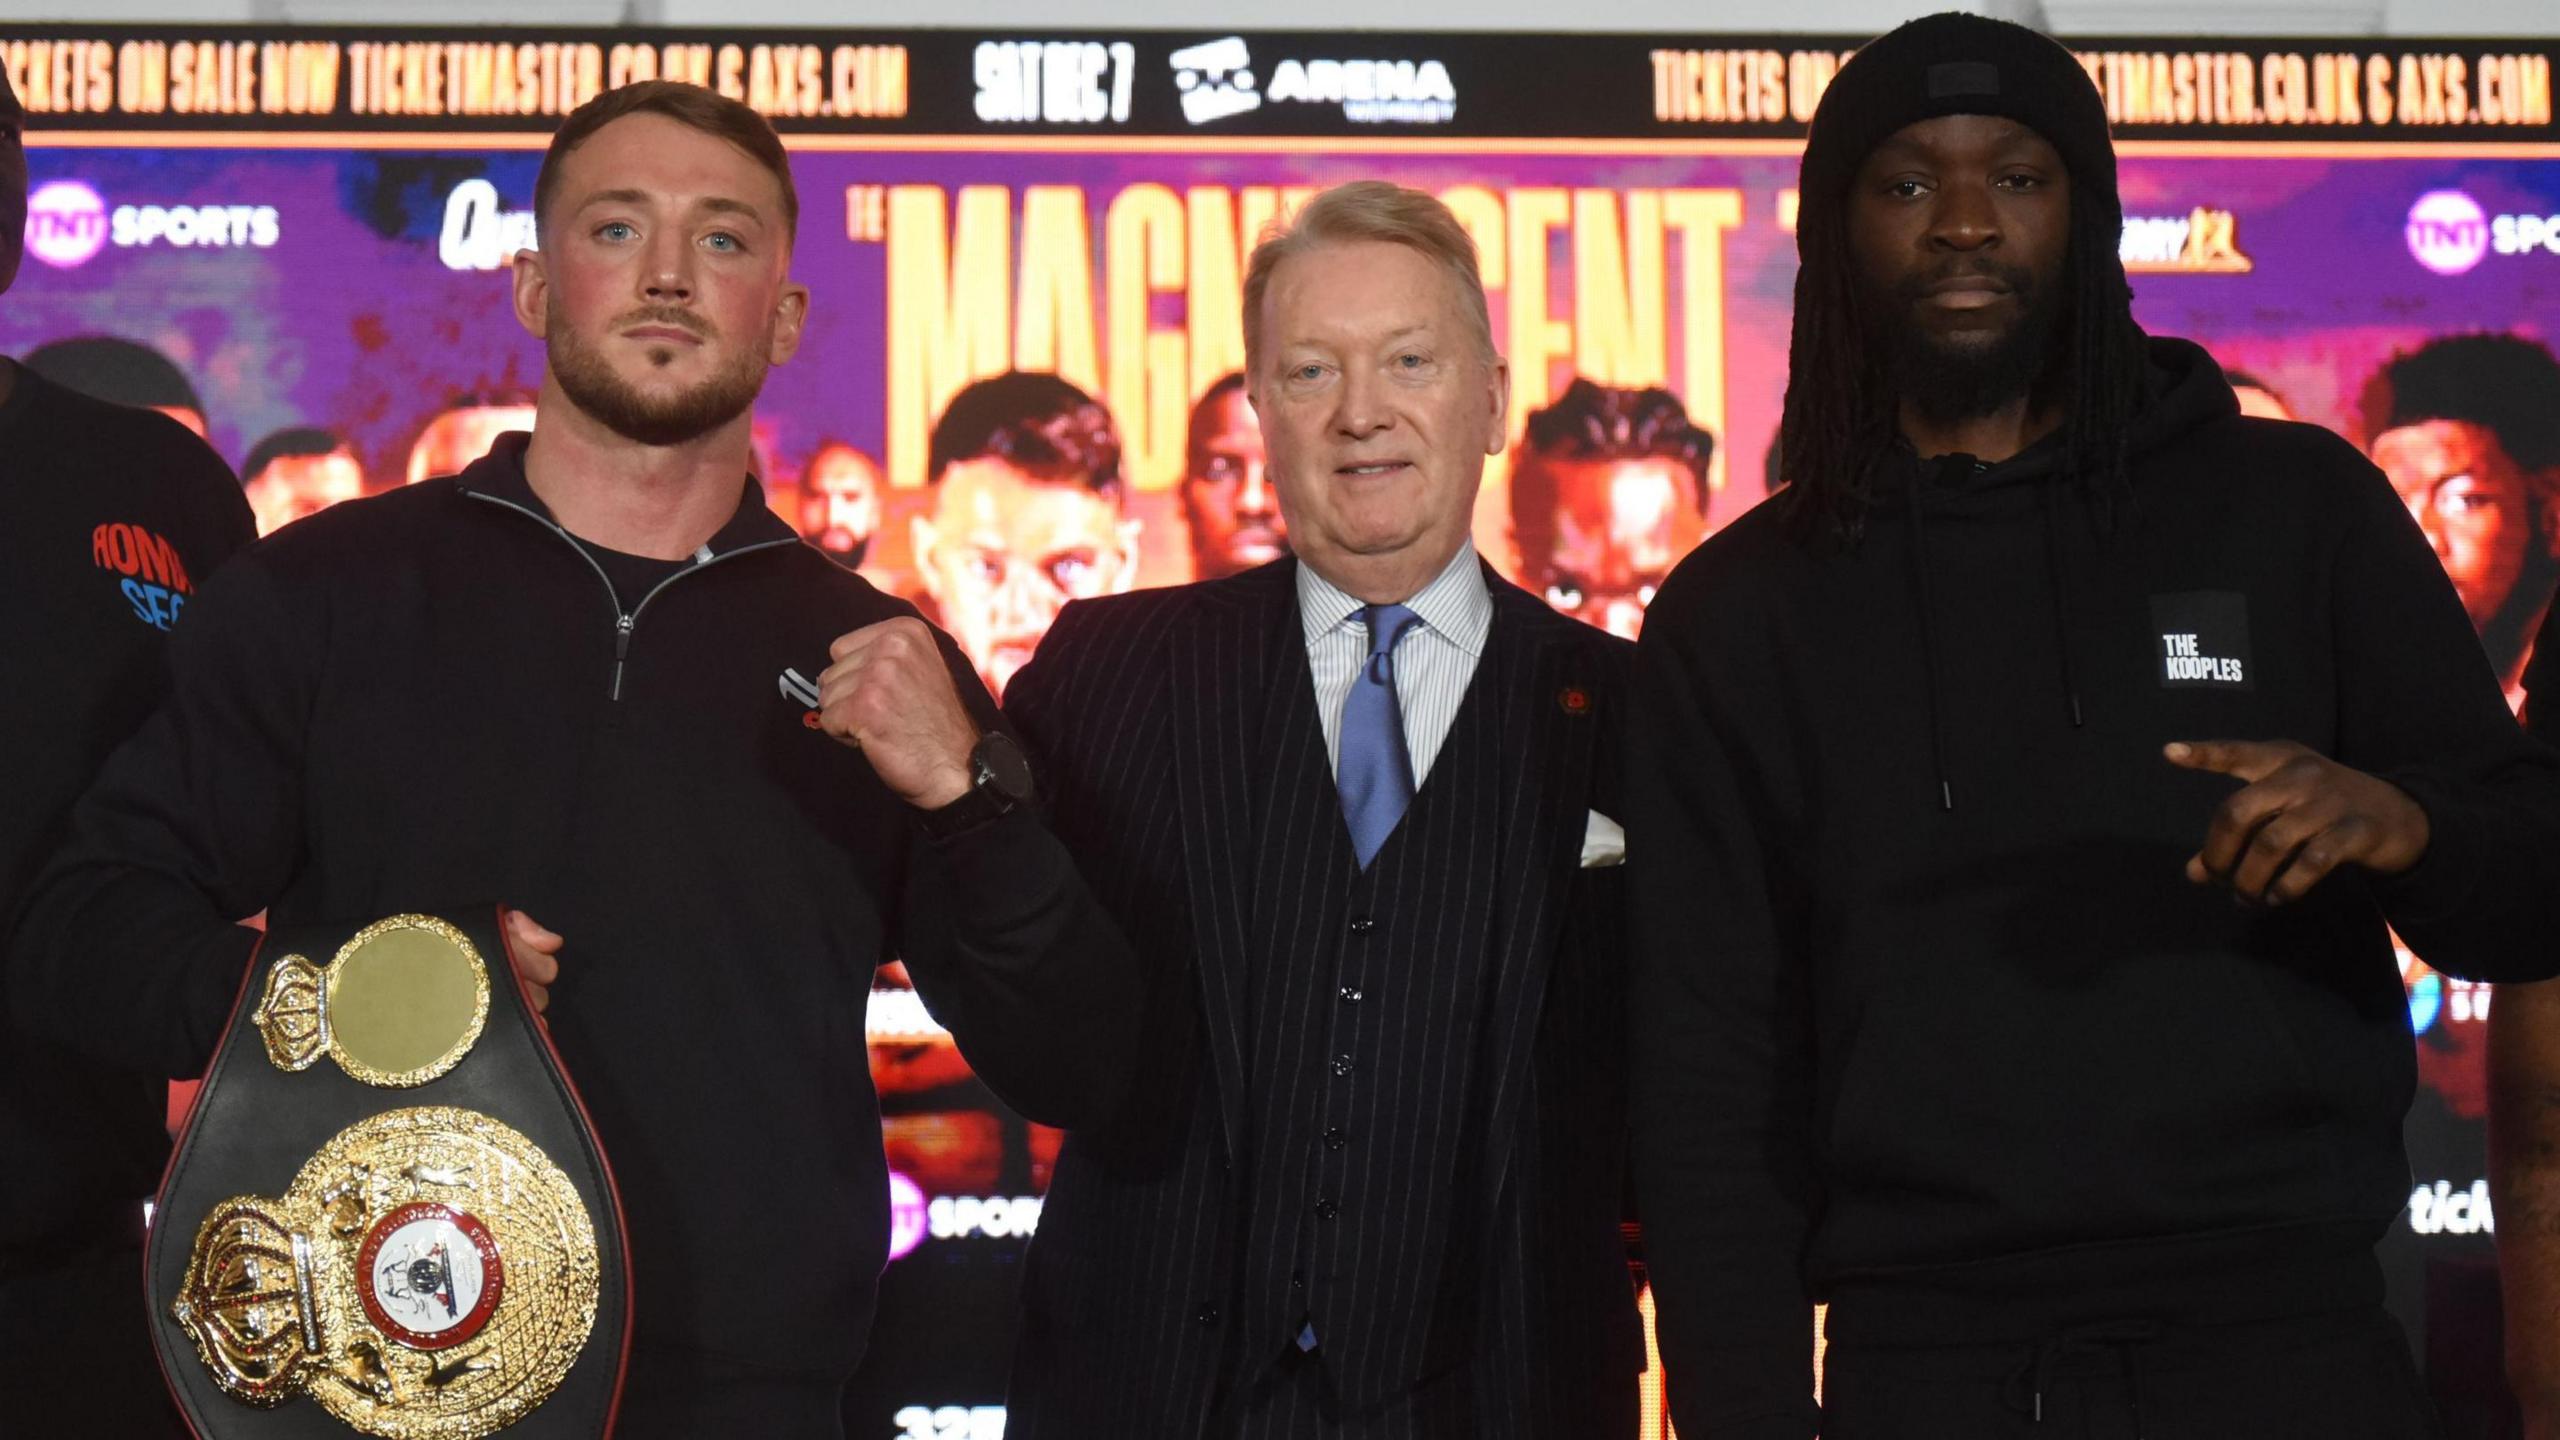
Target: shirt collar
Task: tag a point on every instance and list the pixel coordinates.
(1455, 605)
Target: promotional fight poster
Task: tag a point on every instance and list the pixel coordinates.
(298, 242)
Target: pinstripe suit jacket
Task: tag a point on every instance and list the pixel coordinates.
(1151, 720)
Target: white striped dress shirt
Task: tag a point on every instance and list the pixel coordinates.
(1433, 662)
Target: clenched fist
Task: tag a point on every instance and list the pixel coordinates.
(889, 695)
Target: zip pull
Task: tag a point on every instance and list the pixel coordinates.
(621, 648)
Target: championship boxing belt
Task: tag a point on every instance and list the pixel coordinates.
(389, 1214)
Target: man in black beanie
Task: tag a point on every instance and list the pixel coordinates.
(1954, 758)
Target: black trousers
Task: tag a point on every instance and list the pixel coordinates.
(2339, 1376)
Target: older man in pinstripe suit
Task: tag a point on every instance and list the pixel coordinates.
(1354, 811)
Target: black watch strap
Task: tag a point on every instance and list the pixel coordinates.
(999, 783)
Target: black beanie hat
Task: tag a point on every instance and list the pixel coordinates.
(1956, 64)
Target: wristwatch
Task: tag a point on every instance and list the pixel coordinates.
(999, 782)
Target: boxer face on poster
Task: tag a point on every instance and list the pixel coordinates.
(1227, 500)
(2487, 517)
(1380, 397)
(464, 432)
(1026, 516)
(663, 288)
(298, 472)
(1607, 493)
(1620, 525)
(840, 501)
(1003, 551)
(2468, 429)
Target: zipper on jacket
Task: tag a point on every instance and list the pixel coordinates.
(625, 621)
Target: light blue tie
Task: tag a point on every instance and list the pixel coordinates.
(1375, 774)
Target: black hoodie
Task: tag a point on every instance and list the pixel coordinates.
(1928, 1021)
(434, 698)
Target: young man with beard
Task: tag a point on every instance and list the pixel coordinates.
(109, 520)
(2020, 799)
(594, 677)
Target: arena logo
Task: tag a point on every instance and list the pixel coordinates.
(1217, 81)
(1059, 82)
(1371, 92)
(2439, 1209)
(994, 1217)
(66, 223)
(480, 233)
(2204, 241)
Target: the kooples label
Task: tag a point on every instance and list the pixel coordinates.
(2203, 639)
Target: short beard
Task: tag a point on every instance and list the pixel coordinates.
(589, 381)
(1951, 383)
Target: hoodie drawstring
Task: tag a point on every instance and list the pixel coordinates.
(1928, 629)
(2058, 586)
(2034, 1374)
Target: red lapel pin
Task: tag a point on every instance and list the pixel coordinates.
(1575, 700)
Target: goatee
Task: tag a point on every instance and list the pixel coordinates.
(1965, 379)
(590, 382)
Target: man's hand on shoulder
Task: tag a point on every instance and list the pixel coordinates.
(889, 694)
(2297, 816)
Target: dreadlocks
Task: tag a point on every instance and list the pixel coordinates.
(1840, 419)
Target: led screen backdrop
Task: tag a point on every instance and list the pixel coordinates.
(314, 226)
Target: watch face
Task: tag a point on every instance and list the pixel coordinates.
(1002, 767)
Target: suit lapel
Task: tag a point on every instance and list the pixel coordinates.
(1225, 660)
(1549, 736)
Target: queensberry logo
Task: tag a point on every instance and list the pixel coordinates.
(2202, 241)
(480, 233)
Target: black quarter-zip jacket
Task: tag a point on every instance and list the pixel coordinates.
(433, 698)
(1928, 1021)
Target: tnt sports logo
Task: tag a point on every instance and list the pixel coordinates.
(1216, 80)
(906, 1215)
(2448, 231)
(66, 223)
